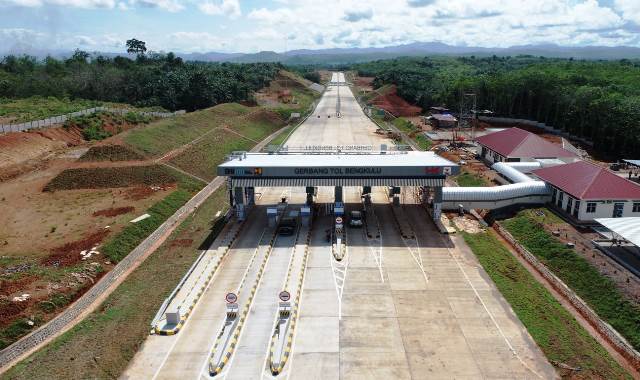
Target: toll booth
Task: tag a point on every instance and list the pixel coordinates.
(339, 168)
(305, 214)
(272, 217)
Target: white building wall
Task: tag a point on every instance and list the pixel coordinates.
(604, 208)
(493, 157)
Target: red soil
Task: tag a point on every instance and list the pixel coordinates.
(69, 254)
(110, 212)
(395, 105)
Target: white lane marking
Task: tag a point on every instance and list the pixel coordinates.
(335, 268)
(377, 257)
(253, 257)
(486, 309)
(417, 259)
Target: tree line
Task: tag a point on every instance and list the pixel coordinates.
(148, 80)
(597, 100)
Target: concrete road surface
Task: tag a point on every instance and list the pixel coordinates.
(392, 309)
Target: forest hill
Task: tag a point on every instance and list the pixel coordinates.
(596, 100)
(150, 80)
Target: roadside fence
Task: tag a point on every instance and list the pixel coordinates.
(48, 122)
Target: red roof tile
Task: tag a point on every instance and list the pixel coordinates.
(516, 142)
(584, 180)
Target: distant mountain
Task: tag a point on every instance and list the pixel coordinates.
(350, 55)
(353, 55)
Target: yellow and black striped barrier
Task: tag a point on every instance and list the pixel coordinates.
(276, 368)
(216, 368)
(183, 318)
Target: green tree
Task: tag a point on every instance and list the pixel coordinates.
(137, 47)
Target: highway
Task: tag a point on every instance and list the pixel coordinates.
(412, 307)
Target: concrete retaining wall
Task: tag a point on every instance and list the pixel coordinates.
(51, 121)
(619, 343)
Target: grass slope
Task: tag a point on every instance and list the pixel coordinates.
(555, 331)
(119, 246)
(168, 134)
(102, 345)
(595, 289)
(37, 107)
(415, 133)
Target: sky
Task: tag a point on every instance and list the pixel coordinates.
(249, 26)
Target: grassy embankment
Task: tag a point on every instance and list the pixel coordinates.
(552, 327)
(598, 291)
(218, 130)
(38, 107)
(300, 92)
(414, 133)
(102, 345)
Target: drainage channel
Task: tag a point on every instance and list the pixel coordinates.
(287, 315)
(227, 339)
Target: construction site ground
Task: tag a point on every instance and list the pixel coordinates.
(45, 232)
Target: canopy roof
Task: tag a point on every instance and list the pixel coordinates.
(627, 228)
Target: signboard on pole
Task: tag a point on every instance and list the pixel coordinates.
(284, 296)
(231, 298)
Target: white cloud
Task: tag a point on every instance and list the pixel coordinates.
(276, 16)
(169, 5)
(70, 3)
(358, 15)
(226, 7)
(630, 9)
(345, 23)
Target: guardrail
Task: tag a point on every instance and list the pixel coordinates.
(609, 333)
(48, 122)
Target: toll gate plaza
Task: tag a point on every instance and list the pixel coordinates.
(331, 267)
(339, 169)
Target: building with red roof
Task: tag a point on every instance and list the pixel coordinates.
(585, 191)
(516, 145)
